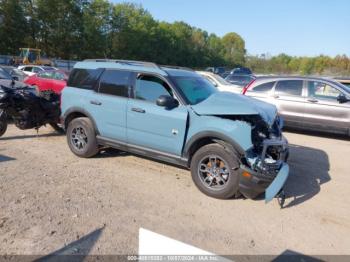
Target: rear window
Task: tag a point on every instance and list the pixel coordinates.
(115, 82)
(289, 87)
(264, 88)
(84, 78)
(239, 79)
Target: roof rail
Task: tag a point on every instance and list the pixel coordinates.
(177, 67)
(126, 62)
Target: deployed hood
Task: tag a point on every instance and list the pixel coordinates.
(225, 103)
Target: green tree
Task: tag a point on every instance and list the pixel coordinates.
(233, 50)
(13, 26)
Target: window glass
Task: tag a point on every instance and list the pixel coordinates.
(58, 75)
(289, 87)
(45, 74)
(264, 88)
(28, 69)
(36, 70)
(114, 82)
(239, 79)
(322, 90)
(150, 88)
(84, 78)
(195, 89)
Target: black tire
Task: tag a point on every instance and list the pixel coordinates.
(3, 123)
(57, 128)
(228, 162)
(81, 130)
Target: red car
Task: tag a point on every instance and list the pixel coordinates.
(54, 80)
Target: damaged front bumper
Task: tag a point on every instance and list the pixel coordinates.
(266, 172)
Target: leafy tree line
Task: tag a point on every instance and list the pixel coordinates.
(79, 29)
(284, 64)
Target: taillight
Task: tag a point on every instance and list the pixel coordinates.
(245, 89)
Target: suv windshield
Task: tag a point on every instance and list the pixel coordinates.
(194, 89)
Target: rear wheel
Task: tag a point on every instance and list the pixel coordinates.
(215, 171)
(81, 137)
(3, 123)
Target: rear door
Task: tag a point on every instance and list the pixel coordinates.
(108, 103)
(262, 91)
(323, 110)
(290, 102)
(151, 126)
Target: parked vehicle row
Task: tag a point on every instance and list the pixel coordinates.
(306, 102)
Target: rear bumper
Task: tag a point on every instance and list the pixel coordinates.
(263, 174)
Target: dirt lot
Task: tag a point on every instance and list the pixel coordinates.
(50, 199)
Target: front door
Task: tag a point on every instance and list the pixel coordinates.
(323, 110)
(152, 126)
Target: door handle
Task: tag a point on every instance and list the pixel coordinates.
(276, 96)
(94, 102)
(312, 100)
(138, 110)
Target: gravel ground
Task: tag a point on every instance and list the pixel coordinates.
(51, 199)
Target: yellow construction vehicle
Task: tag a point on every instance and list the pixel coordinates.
(31, 56)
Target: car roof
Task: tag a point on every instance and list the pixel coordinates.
(141, 66)
(285, 77)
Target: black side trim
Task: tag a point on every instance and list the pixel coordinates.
(146, 152)
(78, 110)
(211, 134)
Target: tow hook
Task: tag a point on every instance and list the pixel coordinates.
(281, 198)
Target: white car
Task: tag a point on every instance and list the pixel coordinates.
(30, 70)
(221, 83)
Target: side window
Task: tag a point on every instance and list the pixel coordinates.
(84, 78)
(114, 82)
(58, 76)
(28, 69)
(45, 74)
(36, 70)
(264, 88)
(289, 87)
(322, 90)
(149, 88)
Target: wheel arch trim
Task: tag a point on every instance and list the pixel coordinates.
(78, 110)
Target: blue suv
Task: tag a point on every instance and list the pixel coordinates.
(231, 143)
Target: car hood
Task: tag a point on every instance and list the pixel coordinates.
(226, 103)
(8, 83)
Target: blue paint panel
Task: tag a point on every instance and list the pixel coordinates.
(156, 128)
(238, 131)
(277, 183)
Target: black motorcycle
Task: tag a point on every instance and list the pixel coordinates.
(28, 108)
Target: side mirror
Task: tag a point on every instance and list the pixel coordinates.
(167, 101)
(342, 98)
(15, 78)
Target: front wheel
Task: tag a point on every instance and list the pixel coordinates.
(3, 123)
(215, 171)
